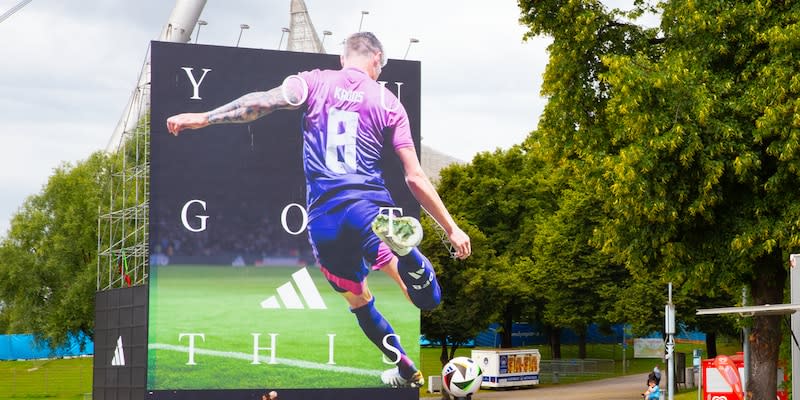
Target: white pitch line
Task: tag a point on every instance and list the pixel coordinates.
(265, 359)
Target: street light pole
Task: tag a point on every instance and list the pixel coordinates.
(363, 13)
(745, 345)
(242, 27)
(200, 24)
(410, 42)
(284, 31)
(669, 316)
(324, 35)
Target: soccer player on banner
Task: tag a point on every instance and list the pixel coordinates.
(353, 223)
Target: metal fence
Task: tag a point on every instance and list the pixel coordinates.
(19, 379)
(556, 371)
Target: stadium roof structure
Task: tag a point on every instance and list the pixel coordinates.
(751, 311)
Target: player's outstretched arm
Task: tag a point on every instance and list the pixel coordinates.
(423, 190)
(247, 108)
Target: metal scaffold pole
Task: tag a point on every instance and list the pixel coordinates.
(122, 237)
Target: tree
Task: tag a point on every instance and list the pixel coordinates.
(691, 143)
(571, 273)
(48, 261)
(717, 167)
(499, 193)
(466, 298)
(576, 283)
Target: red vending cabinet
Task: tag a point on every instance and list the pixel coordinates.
(717, 387)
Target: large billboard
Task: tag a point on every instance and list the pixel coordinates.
(238, 306)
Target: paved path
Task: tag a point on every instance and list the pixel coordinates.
(627, 387)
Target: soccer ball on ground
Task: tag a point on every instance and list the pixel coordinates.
(461, 376)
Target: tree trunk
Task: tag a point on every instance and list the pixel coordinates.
(765, 335)
(582, 345)
(453, 352)
(443, 358)
(508, 325)
(711, 344)
(555, 343)
(443, 354)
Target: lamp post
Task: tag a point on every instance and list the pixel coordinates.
(410, 42)
(669, 324)
(242, 27)
(200, 23)
(284, 31)
(325, 34)
(363, 13)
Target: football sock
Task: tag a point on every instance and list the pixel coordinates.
(376, 328)
(417, 273)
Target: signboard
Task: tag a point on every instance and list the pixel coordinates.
(505, 368)
(648, 348)
(238, 305)
(716, 387)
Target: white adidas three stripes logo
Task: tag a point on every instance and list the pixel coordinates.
(289, 297)
(119, 355)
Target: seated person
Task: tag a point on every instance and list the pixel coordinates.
(653, 392)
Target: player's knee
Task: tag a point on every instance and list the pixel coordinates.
(356, 301)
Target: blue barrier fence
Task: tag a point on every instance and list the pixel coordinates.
(524, 334)
(26, 347)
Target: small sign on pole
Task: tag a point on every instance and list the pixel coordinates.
(669, 323)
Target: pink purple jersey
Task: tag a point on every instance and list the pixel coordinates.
(349, 119)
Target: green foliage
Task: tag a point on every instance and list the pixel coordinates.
(687, 139)
(466, 292)
(48, 260)
(576, 283)
(499, 193)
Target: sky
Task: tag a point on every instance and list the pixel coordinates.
(69, 68)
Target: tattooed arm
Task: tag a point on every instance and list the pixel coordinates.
(291, 95)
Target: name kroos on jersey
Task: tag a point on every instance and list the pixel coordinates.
(348, 95)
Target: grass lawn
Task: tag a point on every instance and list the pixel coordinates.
(179, 308)
(70, 379)
(60, 379)
(314, 348)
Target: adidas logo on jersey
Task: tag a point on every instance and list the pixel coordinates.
(291, 299)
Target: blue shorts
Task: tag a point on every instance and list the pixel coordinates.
(346, 247)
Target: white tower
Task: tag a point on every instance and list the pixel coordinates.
(302, 35)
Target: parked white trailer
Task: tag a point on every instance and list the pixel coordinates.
(508, 368)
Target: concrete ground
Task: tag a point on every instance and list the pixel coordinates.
(618, 388)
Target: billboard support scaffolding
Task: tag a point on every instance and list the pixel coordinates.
(123, 227)
(122, 235)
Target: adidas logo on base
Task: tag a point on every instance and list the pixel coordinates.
(289, 297)
(119, 355)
